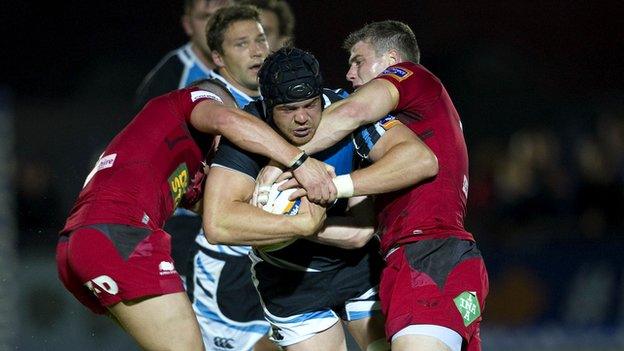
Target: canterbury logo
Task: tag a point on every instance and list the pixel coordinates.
(224, 343)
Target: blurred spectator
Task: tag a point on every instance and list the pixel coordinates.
(277, 20)
(188, 63)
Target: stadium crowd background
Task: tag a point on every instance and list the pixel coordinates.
(539, 86)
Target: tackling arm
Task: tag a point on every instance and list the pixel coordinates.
(351, 231)
(400, 159)
(368, 104)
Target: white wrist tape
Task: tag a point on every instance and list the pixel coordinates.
(344, 186)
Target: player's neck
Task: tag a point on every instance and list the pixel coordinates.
(223, 72)
(207, 61)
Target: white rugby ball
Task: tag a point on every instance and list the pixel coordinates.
(278, 203)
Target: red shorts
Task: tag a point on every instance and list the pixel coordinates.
(440, 282)
(102, 264)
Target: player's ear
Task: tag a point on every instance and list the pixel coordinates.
(217, 58)
(185, 20)
(393, 56)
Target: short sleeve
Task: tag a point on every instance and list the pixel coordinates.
(418, 88)
(232, 157)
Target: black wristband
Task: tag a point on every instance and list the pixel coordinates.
(299, 161)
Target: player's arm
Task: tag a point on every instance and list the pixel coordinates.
(367, 104)
(400, 159)
(351, 231)
(228, 218)
(242, 129)
(253, 135)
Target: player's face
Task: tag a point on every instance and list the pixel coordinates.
(365, 64)
(298, 121)
(270, 23)
(244, 49)
(195, 21)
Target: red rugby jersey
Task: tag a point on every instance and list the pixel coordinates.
(146, 169)
(436, 207)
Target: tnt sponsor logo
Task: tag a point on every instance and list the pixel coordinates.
(202, 94)
(468, 306)
(101, 284)
(397, 73)
(166, 268)
(223, 343)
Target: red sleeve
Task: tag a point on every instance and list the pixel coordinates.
(418, 88)
(188, 98)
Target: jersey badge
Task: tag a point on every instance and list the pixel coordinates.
(203, 94)
(397, 73)
(178, 182)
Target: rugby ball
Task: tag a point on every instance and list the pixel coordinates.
(278, 203)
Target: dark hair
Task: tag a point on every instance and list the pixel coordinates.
(387, 35)
(281, 9)
(218, 23)
(289, 75)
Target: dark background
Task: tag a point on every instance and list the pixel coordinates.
(539, 86)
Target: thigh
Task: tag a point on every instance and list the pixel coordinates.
(435, 282)
(365, 320)
(332, 338)
(420, 343)
(225, 301)
(163, 322)
(368, 331)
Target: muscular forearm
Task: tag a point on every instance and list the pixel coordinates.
(251, 134)
(367, 105)
(242, 224)
(403, 165)
(344, 232)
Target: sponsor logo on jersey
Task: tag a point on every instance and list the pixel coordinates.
(166, 268)
(101, 284)
(102, 163)
(223, 343)
(468, 306)
(178, 183)
(202, 94)
(398, 73)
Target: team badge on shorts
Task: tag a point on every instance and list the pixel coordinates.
(468, 306)
(397, 73)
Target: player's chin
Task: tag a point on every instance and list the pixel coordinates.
(300, 140)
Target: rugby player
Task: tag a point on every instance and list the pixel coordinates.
(113, 254)
(219, 280)
(308, 287)
(434, 283)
